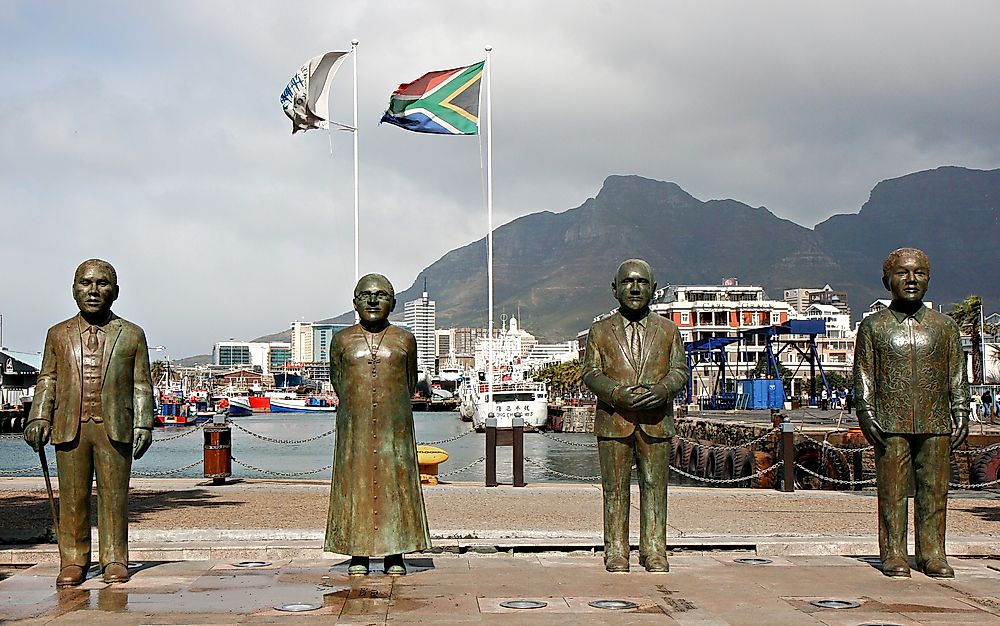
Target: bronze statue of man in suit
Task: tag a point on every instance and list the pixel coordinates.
(94, 397)
(635, 366)
(911, 392)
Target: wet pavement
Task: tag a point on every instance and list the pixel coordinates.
(703, 589)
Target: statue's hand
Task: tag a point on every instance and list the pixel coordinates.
(141, 438)
(627, 396)
(36, 433)
(871, 430)
(961, 431)
(652, 397)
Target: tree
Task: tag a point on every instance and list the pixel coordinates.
(157, 369)
(562, 377)
(967, 315)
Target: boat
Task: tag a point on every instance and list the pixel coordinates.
(515, 393)
(527, 399)
(239, 406)
(302, 405)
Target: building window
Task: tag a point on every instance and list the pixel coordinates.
(685, 318)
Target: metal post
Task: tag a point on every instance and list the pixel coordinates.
(491, 451)
(518, 443)
(788, 454)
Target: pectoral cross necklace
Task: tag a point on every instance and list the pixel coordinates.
(373, 349)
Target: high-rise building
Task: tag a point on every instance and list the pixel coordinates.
(419, 315)
(302, 342)
(799, 298)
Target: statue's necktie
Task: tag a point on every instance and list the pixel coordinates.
(635, 342)
(92, 340)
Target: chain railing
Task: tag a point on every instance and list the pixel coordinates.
(282, 441)
(566, 441)
(23, 470)
(462, 469)
(281, 474)
(449, 439)
(748, 444)
(183, 434)
(545, 468)
(835, 481)
(728, 481)
(827, 444)
(151, 474)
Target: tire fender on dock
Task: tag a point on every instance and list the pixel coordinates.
(986, 467)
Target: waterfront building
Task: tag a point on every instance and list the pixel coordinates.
(836, 347)
(232, 354)
(828, 296)
(18, 374)
(419, 315)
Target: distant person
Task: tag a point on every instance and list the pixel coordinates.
(849, 400)
(635, 366)
(824, 399)
(987, 400)
(376, 506)
(912, 394)
(94, 397)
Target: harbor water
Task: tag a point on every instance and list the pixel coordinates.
(259, 450)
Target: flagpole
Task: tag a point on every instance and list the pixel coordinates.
(489, 217)
(357, 275)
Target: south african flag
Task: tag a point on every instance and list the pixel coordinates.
(445, 102)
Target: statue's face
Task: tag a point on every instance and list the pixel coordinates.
(94, 290)
(908, 279)
(373, 300)
(633, 287)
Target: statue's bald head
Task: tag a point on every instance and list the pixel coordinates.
(99, 264)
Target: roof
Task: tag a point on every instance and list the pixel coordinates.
(22, 362)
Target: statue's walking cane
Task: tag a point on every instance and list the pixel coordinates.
(48, 487)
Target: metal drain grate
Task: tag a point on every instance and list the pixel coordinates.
(524, 604)
(835, 604)
(296, 607)
(753, 561)
(252, 564)
(613, 604)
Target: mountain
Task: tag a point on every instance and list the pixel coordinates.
(554, 270)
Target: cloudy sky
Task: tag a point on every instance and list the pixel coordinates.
(150, 134)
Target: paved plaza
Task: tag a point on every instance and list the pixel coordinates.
(539, 543)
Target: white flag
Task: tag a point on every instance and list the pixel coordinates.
(305, 98)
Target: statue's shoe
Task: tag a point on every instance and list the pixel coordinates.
(616, 564)
(71, 576)
(655, 563)
(358, 566)
(116, 573)
(938, 568)
(896, 567)
(394, 565)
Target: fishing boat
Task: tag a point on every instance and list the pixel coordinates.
(239, 406)
(302, 405)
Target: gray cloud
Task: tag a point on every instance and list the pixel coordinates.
(150, 134)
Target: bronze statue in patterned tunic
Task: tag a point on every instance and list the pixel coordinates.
(635, 366)
(94, 397)
(912, 393)
(376, 506)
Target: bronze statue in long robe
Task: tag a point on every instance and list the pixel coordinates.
(376, 506)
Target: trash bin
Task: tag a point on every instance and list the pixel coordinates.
(218, 463)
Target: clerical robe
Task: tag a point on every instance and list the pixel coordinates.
(376, 506)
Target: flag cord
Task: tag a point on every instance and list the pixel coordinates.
(489, 213)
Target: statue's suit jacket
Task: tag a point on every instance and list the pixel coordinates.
(608, 364)
(127, 391)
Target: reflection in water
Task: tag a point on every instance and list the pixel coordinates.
(70, 599)
(112, 600)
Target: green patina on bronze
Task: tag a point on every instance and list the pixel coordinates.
(94, 399)
(912, 393)
(635, 378)
(376, 506)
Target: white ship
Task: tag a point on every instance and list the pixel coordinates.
(514, 393)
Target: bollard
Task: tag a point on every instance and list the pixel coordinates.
(491, 451)
(518, 443)
(788, 454)
(218, 459)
